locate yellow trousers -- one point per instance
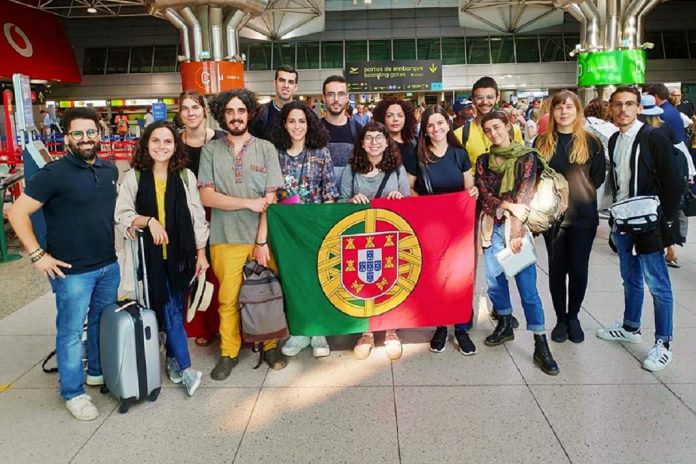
(228, 260)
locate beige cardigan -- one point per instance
(125, 206)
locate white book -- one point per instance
(514, 263)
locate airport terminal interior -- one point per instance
(135, 57)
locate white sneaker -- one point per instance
(191, 380)
(81, 408)
(320, 347)
(658, 357)
(294, 345)
(95, 380)
(616, 333)
(174, 371)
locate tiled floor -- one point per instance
(446, 408)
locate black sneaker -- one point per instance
(466, 346)
(559, 334)
(439, 340)
(575, 332)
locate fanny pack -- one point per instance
(636, 215)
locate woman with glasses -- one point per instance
(374, 171)
(161, 195)
(441, 165)
(572, 151)
(506, 178)
(302, 142)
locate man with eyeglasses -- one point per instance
(642, 164)
(78, 197)
(285, 82)
(343, 131)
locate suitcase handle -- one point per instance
(138, 249)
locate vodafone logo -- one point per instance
(26, 49)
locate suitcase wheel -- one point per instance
(124, 407)
(153, 395)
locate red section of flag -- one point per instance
(444, 293)
(33, 43)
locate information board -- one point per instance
(611, 67)
(394, 76)
(25, 111)
(159, 111)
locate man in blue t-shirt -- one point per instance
(670, 114)
(342, 129)
(78, 197)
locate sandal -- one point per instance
(364, 345)
(392, 343)
(203, 341)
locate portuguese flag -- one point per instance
(391, 264)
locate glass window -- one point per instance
(165, 59)
(94, 61)
(552, 48)
(404, 49)
(356, 51)
(141, 60)
(657, 52)
(476, 50)
(676, 45)
(380, 50)
(692, 43)
(527, 48)
(502, 50)
(308, 55)
(259, 57)
(453, 51)
(283, 53)
(331, 55)
(569, 43)
(117, 60)
(428, 49)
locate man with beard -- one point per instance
(286, 79)
(343, 131)
(238, 177)
(78, 197)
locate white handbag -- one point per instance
(636, 215)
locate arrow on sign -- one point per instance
(433, 68)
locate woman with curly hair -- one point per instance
(160, 194)
(400, 120)
(441, 165)
(374, 171)
(302, 142)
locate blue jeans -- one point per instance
(177, 340)
(652, 268)
(79, 296)
(499, 291)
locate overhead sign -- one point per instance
(611, 68)
(159, 111)
(212, 77)
(32, 42)
(394, 76)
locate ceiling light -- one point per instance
(91, 9)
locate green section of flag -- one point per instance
(611, 67)
(296, 233)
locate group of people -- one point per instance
(201, 196)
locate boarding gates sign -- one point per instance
(394, 76)
(613, 67)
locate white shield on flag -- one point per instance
(370, 265)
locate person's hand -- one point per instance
(159, 235)
(360, 199)
(257, 205)
(50, 266)
(516, 245)
(473, 191)
(202, 264)
(395, 195)
(130, 232)
(262, 254)
(518, 210)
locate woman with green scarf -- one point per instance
(506, 178)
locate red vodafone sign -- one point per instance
(212, 77)
(33, 43)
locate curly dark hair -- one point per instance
(219, 103)
(423, 150)
(380, 114)
(317, 134)
(391, 159)
(141, 155)
(597, 108)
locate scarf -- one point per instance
(174, 273)
(510, 155)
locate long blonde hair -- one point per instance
(580, 153)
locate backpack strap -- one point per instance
(383, 184)
(426, 177)
(47, 370)
(354, 128)
(466, 130)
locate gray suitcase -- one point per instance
(129, 344)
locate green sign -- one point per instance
(612, 67)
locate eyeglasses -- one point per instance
(480, 98)
(628, 104)
(336, 96)
(79, 135)
(376, 138)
